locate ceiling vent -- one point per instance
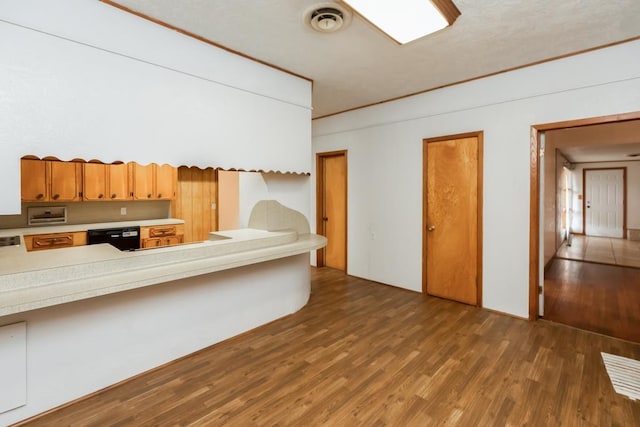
(327, 18)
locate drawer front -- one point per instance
(54, 241)
(162, 231)
(50, 242)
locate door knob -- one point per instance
(324, 218)
(431, 227)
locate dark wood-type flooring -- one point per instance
(365, 354)
(595, 297)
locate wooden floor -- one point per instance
(365, 354)
(595, 297)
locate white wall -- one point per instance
(384, 144)
(77, 348)
(288, 189)
(82, 79)
(633, 192)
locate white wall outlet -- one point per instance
(123, 211)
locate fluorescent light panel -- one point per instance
(402, 20)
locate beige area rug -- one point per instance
(624, 374)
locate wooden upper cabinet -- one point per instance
(94, 183)
(65, 181)
(33, 180)
(118, 182)
(142, 181)
(44, 180)
(48, 180)
(153, 182)
(166, 182)
(105, 182)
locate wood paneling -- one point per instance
(196, 202)
(365, 354)
(452, 235)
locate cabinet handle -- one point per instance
(39, 196)
(148, 196)
(113, 196)
(159, 195)
(56, 197)
(100, 196)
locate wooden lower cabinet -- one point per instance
(161, 235)
(36, 242)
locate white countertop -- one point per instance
(44, 278)
(67, 228)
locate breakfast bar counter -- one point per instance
(76, 320)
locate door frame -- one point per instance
(534, 192)
(480, 137)
(320, 202)
(624, 197)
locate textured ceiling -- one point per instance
(359, 65)
(602, 153)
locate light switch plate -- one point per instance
(123, 211)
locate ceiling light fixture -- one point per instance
(327, 17)
(407, 20)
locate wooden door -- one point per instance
(33, 180)
(94, 181)
(332, 209)
(452, 235)
(65, 181)
(165, 182)
(604, 204)
(118, 182)
(196, 202)
(142, 181)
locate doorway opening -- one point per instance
(567, 272)
(331, 208)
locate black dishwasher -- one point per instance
(123, 238)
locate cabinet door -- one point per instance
(94, 181)
(166, 177)
(118, 182)
(173, 240)
(65, 180)
(151, 243)
(33, 180)
(142, 184)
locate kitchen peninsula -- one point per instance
(96, 316)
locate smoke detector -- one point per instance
(327, 17)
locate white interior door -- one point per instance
(604, 202)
